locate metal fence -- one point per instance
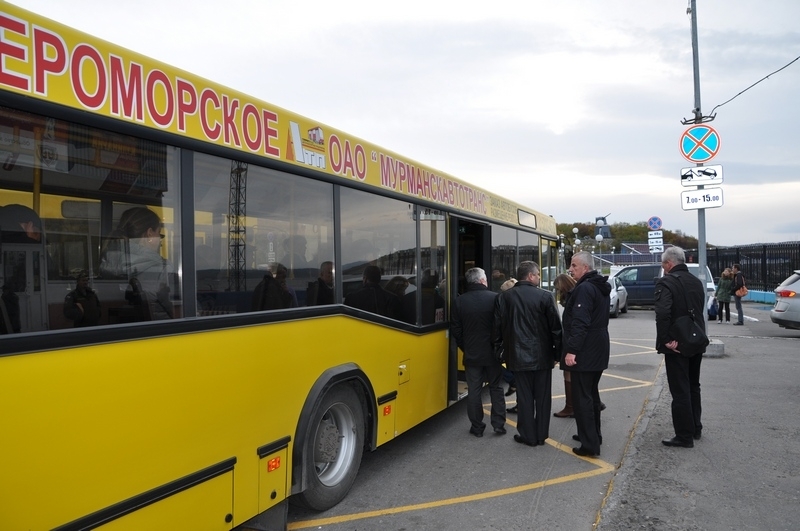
(764, 266)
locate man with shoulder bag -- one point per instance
(680, 336)
(739, 291)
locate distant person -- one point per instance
(371, 297)
(472, 327)
(723, 295)
(563, 285)
(528, 329)
(680, 293)
(321, 290)
(738, 283)
(133, 252)
(81, 305)
(587, 349)
(19, 224)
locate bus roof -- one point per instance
(47, 60)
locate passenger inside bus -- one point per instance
(321, 290)
(19, 224)
(133, 253)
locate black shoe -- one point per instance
(500, 431)
(476, 433)
(697, 435)
(512, 410)
(677, 442)
(738, 324)
(583, 452)
(602, 406)
(520, 440)
(511, 390)
(576, 438)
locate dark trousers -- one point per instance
(476, 376)
(726, 306)
(683, 376)
(586, 405)
(534, 402)
(739, 312)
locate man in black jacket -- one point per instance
(587, 349)
(528, 329)
(680, 293)
(471, 325)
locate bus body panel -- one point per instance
(201, 400)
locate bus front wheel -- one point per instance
(333, 449)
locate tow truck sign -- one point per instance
(701, 175)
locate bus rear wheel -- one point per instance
(333, 449)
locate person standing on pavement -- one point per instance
(738, 283)
(680, 293)
(587, 349)
(563, 284)
(508, 376)
(723, 295)
(472, 328)
(528, 328)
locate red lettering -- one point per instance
(270, 132)
(154, 79)
(127, 93)
(187, 101)
(229, 108)
(83, 54)
(348, 159)
(15, 51)
(335, 152)
(388, 171)
(361, 162)
(212, 132)
(402, 169)
(49, 57)
(250, 113)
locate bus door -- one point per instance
(23, 270)
(472, 246)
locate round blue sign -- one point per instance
(654, 223)
(699, 143)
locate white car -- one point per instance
(618, 297)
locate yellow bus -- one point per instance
(182, 344)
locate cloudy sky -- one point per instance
(572, 107)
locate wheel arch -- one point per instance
(348, 374)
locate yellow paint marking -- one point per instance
(603, 468)
(649, 341)
(625, 378)
(633, 354)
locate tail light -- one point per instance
(786, 293)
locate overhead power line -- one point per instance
(711, 115)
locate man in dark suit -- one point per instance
(528, 328)
(471, 326)
(680, 293)
(587, 349)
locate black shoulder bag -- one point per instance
(691, 337)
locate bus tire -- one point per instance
(333, 449)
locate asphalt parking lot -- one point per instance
(437, 476)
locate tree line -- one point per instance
(626, 233)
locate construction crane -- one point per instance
(237, 210)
